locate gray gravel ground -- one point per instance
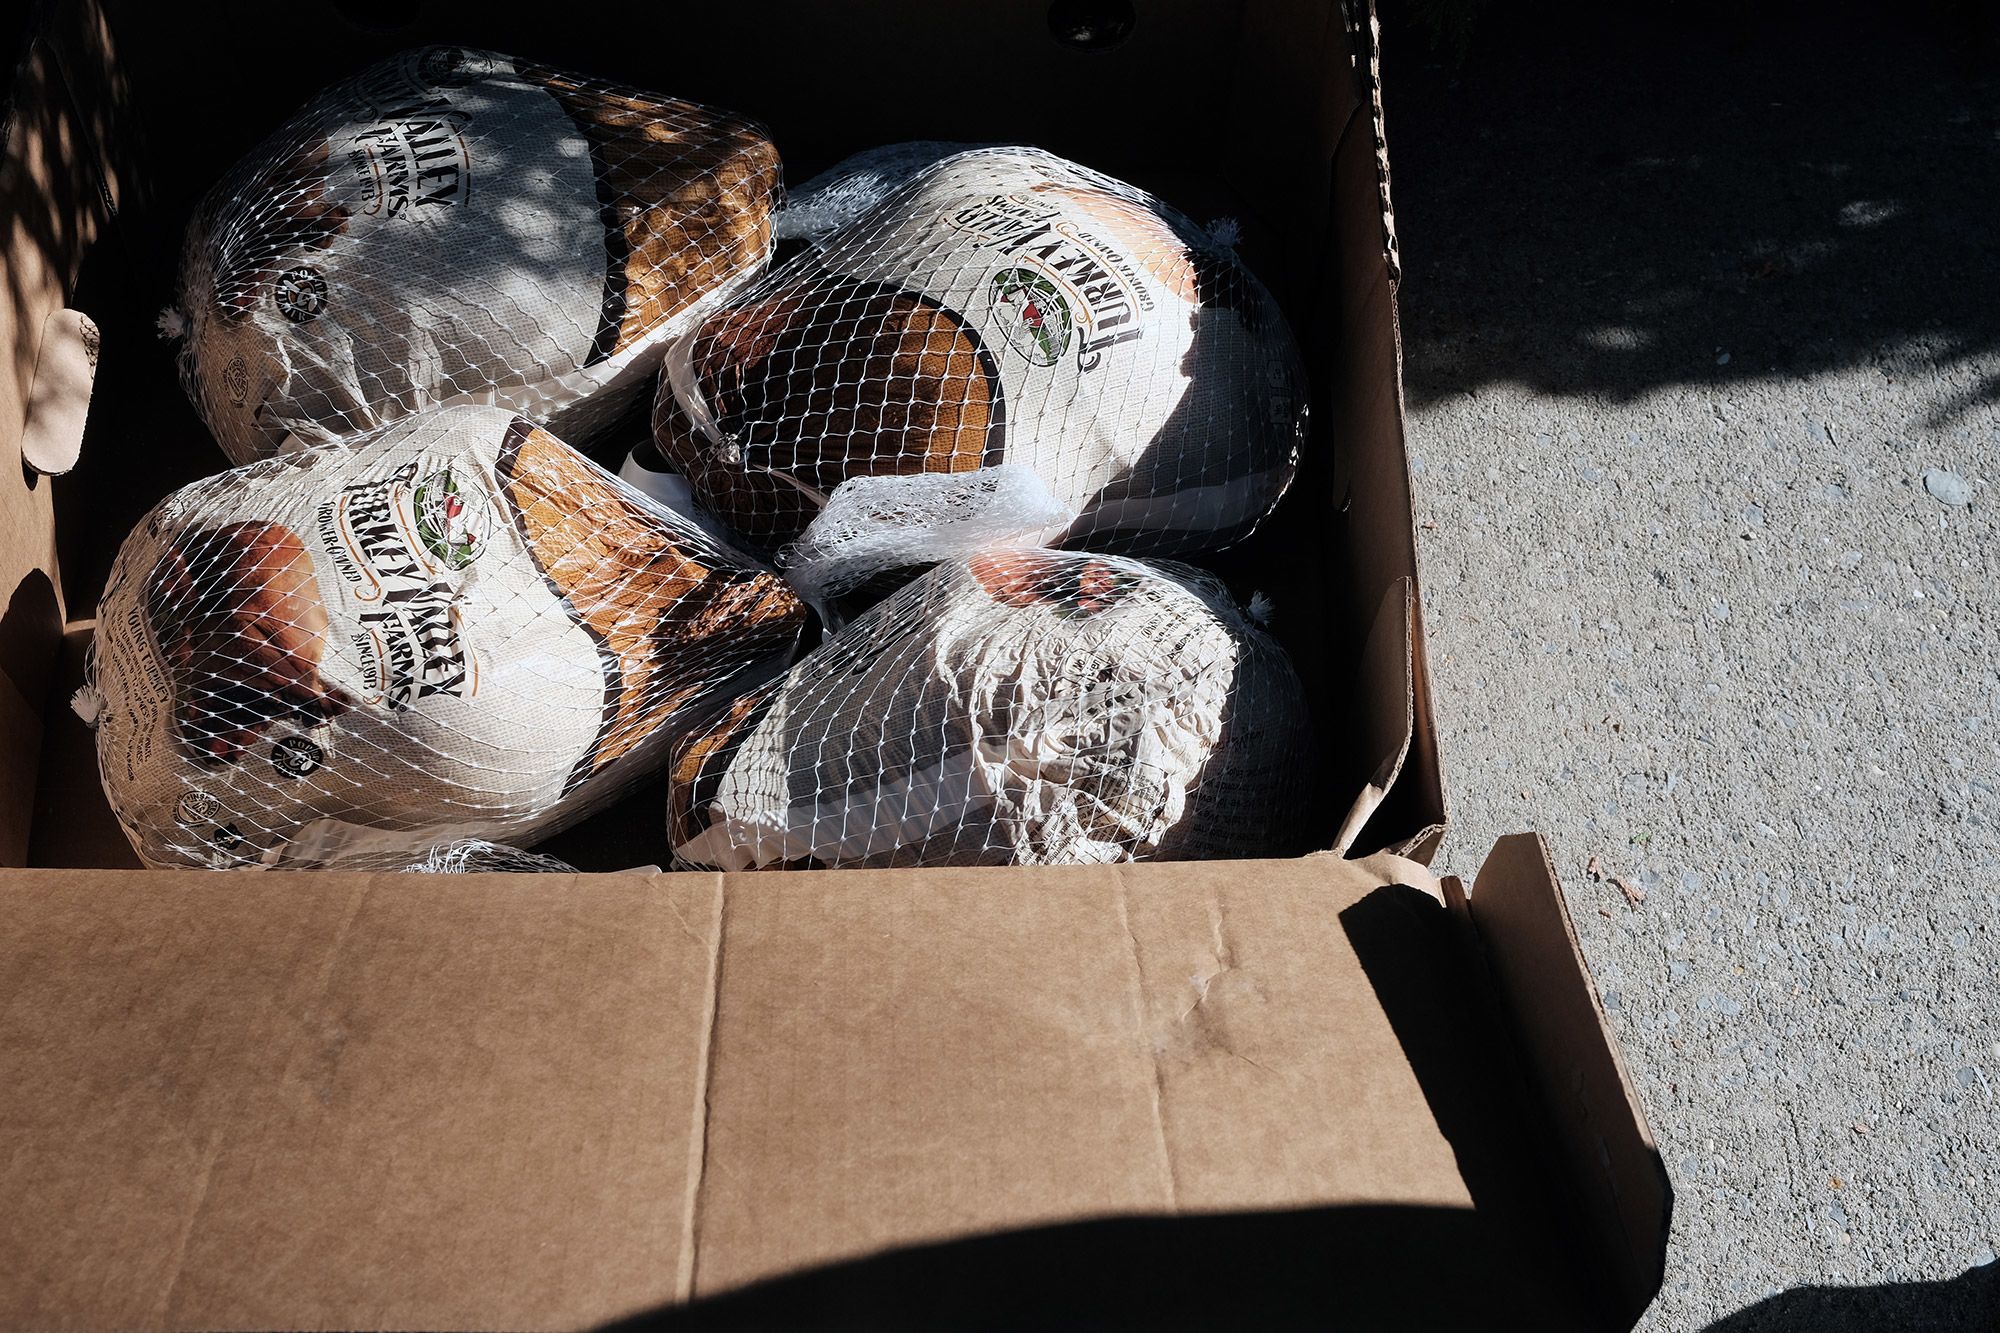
(1703, 345)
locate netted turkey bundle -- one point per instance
(1003, 306)
(455, 226)
(1020, 707)
(461, 628)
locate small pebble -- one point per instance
(1948, 487)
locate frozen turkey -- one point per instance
(1021, 707)
(455, 226)
(1002, 306)
(461, 628)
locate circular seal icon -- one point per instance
(300, 293)
(195, 808)
(236, 380)
(452, 521)
(295, 756)
(1033, 317)
(452, 66)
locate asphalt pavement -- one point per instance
(1702, 330)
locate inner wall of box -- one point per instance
(1222, 109)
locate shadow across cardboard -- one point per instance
(1356, 1267)
(1505, 1261)
(1968, 1303)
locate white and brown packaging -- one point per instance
(1020, 707)
(461, 628)
(1003, 306)
(455, 226)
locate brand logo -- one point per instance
(453, 528)
(1110, 299)
(295, 756)
(413, 155)
(300, 293)
(228, 837)
(236, 379)
(1032, 315)
(195, 808)
(411, 608)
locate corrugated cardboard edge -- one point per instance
(1421, 803)
(697, 1168)
(1388, 654)
(1574, 1063)
(1364, 33)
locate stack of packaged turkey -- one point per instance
(431, 622)
(1006, 353)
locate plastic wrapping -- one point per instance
(843, 192)
(458, 628)
(466, 856)
(1018, 707)
(1003, 306)
(875, 525)
(455, 226)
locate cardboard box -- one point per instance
(1329, 1088)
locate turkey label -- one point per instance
(410, 638)
(1063, 268)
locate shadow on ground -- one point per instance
(1968, 1303)
(1793, 188)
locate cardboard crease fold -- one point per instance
(1148, 1046)
(700, 1109)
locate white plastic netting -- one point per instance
(465, 856)
(874, 525)
(843, 192)
(1001, 306)
(1017, 707)
(459, 627)
(455, 226)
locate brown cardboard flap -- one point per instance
(285, 1100)
(73, 824)
(21, 739)
(1365, 422)
(1575, 1065)
(1387, 706)
(278, 1101)
(58, 185)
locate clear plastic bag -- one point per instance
(458, 628)
(1001, 306)
(456, 226)
(1018, 707)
